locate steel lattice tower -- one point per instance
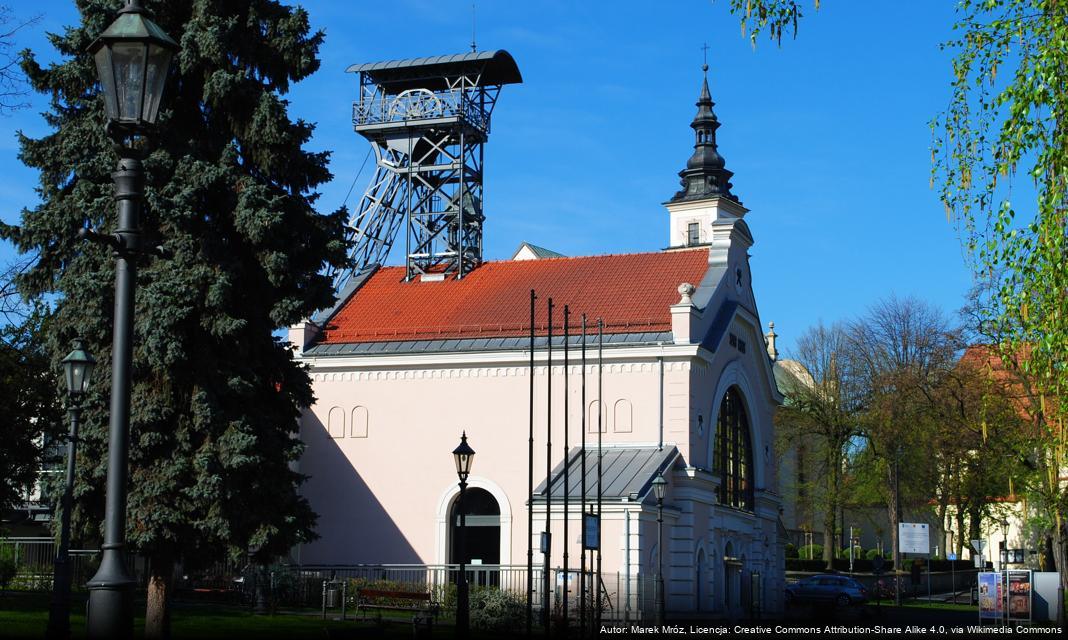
(427, 120)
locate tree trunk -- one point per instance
(1060, 551)
(828, 537)
(829, 546)
(158, 610)
(942, 509)
(893, 515)
(960, 528)
(975, 532)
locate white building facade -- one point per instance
(684, 387)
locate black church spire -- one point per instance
(705, 175)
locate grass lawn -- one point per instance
(25, 615)
(947, 606)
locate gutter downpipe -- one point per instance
(660, 400)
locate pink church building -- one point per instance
(402, 365)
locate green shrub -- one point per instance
(791, 550)
(496, 610)
(8, 568)
(810, 552)
(844, 553)
(812, 566)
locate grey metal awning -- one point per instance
(494, 68)
(626, 472)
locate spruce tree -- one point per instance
(230, 194)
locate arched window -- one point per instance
(734, 453)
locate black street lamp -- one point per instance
(464, 456)
(77, 370)
(132, 56)
(1004, 544)
(659, 489)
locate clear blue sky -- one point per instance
(827, 135)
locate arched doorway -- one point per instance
(483, 528)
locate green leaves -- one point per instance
(773, 17)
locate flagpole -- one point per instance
(600, 456)
(547, 543)
(530, 482)
(567, 458)
(582, 492)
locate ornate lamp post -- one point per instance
(464, 456)
(659, 489)
(77, 370)
(132, 56)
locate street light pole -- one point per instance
(464, 456)
(659, 489)
(77, 368)
(133, 58)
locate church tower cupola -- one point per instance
(705, 212)
(705, 175)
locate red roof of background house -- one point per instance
(632, 292)
(986, 358)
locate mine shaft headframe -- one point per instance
(426, 120)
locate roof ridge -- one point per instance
(657, 252)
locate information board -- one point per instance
(989, 595)
(591, 531)
(1019, 586)
(913, 537)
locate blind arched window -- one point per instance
(734, 453)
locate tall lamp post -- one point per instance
(132, 56)
(464, 457)
(659, 489)
(77, 370)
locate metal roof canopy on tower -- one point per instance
(394, 76)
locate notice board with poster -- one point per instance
(990, 597)
(1019, 593)
(913, 537)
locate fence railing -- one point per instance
(33, 559)
(622, 597)
(420, 104)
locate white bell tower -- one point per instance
(705, 198)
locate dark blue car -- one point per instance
(841, 591)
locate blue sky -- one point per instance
(827, 135)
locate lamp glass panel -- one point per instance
(105, 75)
(159, 61)
(128, 60)
(68, 375)
(659, 487)
(77, 377)
(463, 464)
(87, 374)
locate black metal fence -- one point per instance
(286, 586)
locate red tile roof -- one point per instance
(632, 292)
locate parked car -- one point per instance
(841, 591)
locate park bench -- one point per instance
(419, 602)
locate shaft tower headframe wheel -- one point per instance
(427, 120)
